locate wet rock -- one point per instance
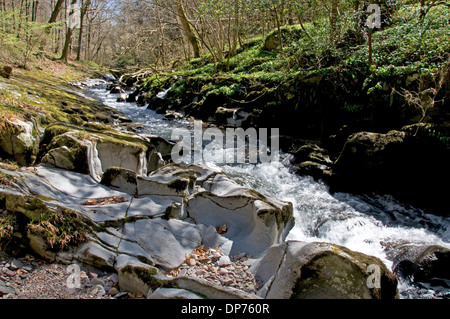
(255, 222)
(422, 264)
(172, 293)
(321, 271)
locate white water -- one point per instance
(374, 225)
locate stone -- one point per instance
(313, 153)
(224, 261)
(170, 180)
(299, 270)
(97, 281)
(423, 263)
(166, 241)
(69, 151)
(20, 141)
(211, 291)
(120, 179)
(314, 169)
(113, 292)
(6, 72)
(172, 293)
(134, 276)
(255, 222)
(370, 159)
(4, 290)
(95, 255)
(16, 264)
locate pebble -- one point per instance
(16, 264)
(114, 278)
(192, 262)
(223, 271)
(113, 292)
(97, 281)
(10, 273)
(219, 269)
(224, 261)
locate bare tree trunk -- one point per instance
(69, 34)
(235, 27)
(161, 31)
(84, 9)
(187, 29)
(334, 16)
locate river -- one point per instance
(375, 225)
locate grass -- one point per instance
(61, 229)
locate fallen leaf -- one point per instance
(105, 201)
(222, 229)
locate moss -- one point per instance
(179, 185)
(147, 276)
(61, 229)
(112, 172)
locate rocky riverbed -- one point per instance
(109, 200)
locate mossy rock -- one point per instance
(288, 33)
(68, 152)
(19, 140)
(121, 179)
(138, 277)
(300, 270)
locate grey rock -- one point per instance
(172, 293)
(255, 222)
(320, 271)
(4, 290)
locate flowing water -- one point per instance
(375, 225)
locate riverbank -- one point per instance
(333, 109)
(80, 191)
(56, 208)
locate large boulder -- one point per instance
(69, 151)
(424, 265)
(93, 151)
(170, 180)
(19, 140)
(367, 154)
(254, 221)
(299, 270)
(411, 164)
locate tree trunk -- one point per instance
(69, 34)
(334, 16)
(235, 27)
(84, 9)
(188, 29)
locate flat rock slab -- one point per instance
(166, 242)
(74, 185)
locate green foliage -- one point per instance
(24, 39)
(409, 46)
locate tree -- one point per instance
(69, 34)
(187, 28)
(84, 8)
